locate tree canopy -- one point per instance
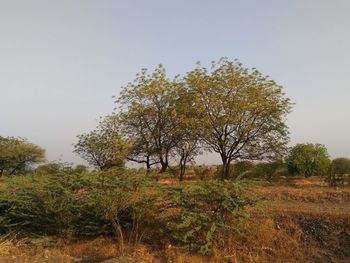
(309, 159)
(229, 109)
(18, 155)
(242, 112)
(146, 108)
(103, 147)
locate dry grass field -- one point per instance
(299, 220)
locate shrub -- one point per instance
(78, 204)
(271, 170)
(133, 207)
(48, 168)
(208, 210)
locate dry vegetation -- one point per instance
(300, 220)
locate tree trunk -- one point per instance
(148, 165)
(164, 165)
(182, 172)
(225, 168)
(182, 167)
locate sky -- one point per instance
(62, 61)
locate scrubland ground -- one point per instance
(298, 220)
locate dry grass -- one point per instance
(84, 251)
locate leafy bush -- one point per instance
(207, 211)
(271, 170)
(121, 202)
(71, 204)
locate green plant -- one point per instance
(81, 204)
(308, 160)
(207, 211)
(17, 155)
(271, 170)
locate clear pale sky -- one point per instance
(62, 61)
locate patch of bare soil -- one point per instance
(323, 214)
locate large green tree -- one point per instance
(17, 155)
(146, 108)
(103, 147)
(242, 112)
(309, 159)
(142, 149)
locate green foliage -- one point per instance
(229, 109)
(120, 202)
(147, 111)
(207, 211)
(48, 168)
(18, 155)
(308, 160)
(71, 204)
(186, 127)
(242, 112)
(80, 169)
(103, 147)
(262, 170)
(270, 170)
(339, 172)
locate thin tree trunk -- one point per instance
(148, 165)
(225, 167)
(182, 167)
(182, 172)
